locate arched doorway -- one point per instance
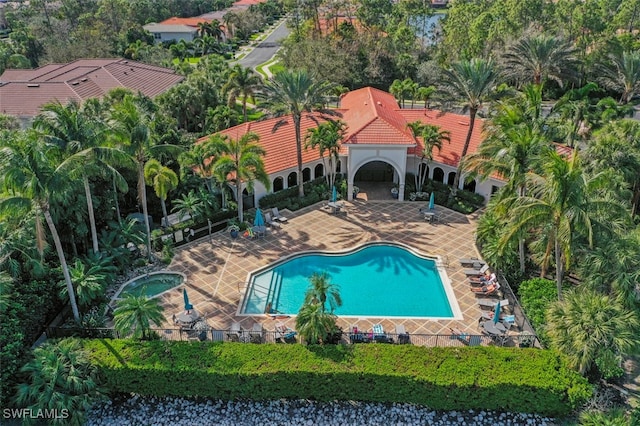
(318, 171)
(376, 179)
(470, 186)
(306, 174)
(248, 200)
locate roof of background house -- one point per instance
(170, 28)
(192, 22)
(372, 117)
(23, 92)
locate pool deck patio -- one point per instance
(217, 269)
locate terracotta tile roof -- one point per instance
(23, 92)
(372, 117)
(248, 2)
(279, 145)
(191, 22)
(456, 124)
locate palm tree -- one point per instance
(321, 291)
(314, 324)
(295, 93)
(588, 326)
(617, 146)
(432, 137)
(200, 160)
(79, 137)
(564, 202)
(32, 179)
(90, 281)
(131, 120)
(622, 75)
(61, 378)
(472, 83)
(537, 58)
(327, 137)
(511, 149)
(241, 161)
(134, 315)
(243, 83)
(163, 180)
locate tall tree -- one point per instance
(327, 138)
(243, 83)
(81, 141)
(432, 138)
(163, 180)
(564, 202)
(131, 120)
(538, 57)
(33, 183)
(470, 82)
(622, 75)
(241, 161)
(295, 93)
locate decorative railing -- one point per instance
(512, 339)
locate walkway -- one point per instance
(216, 271)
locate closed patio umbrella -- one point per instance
(496, 314)
(432, 201)
(259, 219)
(187, 306)
(334, 194)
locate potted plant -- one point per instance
(394, 192)
(356, 190)
(234, 229)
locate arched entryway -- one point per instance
(375, 180)
(318, 171)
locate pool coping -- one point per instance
(163, 271)
(440, 267)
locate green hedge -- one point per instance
(535, 296)
(508, 379)
(315, 191)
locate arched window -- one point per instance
(438, 174)
(306, 174)
(318, 171)
(451, 178)
(470, 186)
(278, 184)
(339, 166)
(292, 179)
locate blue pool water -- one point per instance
(379, 280)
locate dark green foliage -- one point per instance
(507, 379)
(464, 201)
(536, 295)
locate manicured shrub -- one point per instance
(508, 379)
(536, 295)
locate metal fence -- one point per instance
(511, 339)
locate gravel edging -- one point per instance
(138, 410)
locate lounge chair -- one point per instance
(234, 332)
(402, 335)
(459, 335)
(476, 281)
(379, 335)
(270, 222)
(472, 261)
(256, 335)
(488, 289)
(476, 272)
(284, 334)
(277, 216)
(357, 336)
(491, 303)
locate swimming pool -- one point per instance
(375, 280)
(152, 284)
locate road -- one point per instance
(267, 48)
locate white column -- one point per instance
(401, 190)
(350, 189)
